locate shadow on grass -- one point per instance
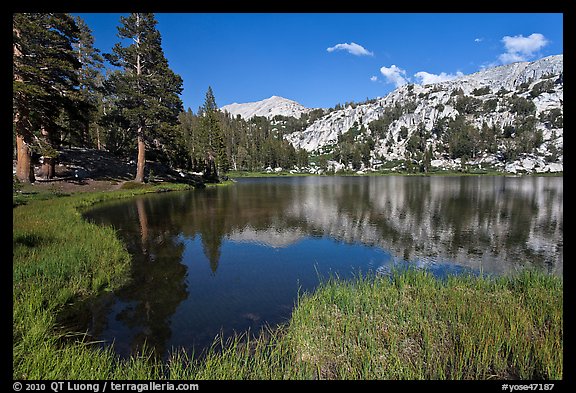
(30, 240)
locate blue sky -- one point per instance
(320, 60)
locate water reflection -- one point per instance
(227, 259)
(140, 311)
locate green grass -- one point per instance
(58, 260)
(414, 326)
(406, 326)
(410, 326)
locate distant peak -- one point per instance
(269, 107)
(278, 98)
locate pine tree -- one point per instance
(211, 139)
(91, 80)
(145, 90)
(44, 84)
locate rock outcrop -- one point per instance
(496, 96)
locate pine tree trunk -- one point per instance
(49, 167)
(24, 168)
(141, 157)
(98, 145)
(49, 163)
(140, 134)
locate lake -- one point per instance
(235, 258)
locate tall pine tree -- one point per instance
(44, 84)
(146, 91)
(211, 140)
(90, 80)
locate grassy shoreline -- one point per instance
(406, 326)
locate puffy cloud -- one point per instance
(394, 75)
(374, 78)
(520, 48)
(352, 48)
(506, 58)
(397, 76)
(428, 78)
(479, 39)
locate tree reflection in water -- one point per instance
(227, 258)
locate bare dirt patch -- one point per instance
(88, 170)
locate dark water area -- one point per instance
(231, 259)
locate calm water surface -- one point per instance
(225, 259)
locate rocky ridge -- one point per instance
(539, 82)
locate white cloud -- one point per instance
(428, 78)
(352, 48)
(394, 75)
(373, 78)
(506, 58)
(520, 48)
(397, 76)
(478, 39)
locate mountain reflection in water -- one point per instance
(226, 259)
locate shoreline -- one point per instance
(81, 260)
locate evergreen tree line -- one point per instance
(239, 144)
(64, 96)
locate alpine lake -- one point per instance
(234, 259)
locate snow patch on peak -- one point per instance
(268, 108)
